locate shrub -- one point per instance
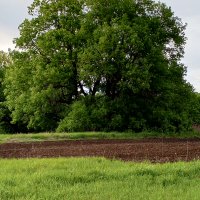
(76, 120)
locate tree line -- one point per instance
(97, 65)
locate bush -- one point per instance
(76, 120)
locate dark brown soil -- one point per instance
(154, 150)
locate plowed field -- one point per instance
(154, 150)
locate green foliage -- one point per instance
(97, 178)
(85, 115)
(99, 65)
(195, 111)
(5, 119)
(77, 119)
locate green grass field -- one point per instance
(92, 135)
(64, 136)
(97, 178)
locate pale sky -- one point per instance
(13, 12)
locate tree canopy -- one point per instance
(5, 119)
(99, 65)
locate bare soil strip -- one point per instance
(154, 150)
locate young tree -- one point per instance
(119, 59)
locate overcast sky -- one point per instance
(13, 12)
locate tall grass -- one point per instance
(97, 178)
(64, 136)
(93, 135)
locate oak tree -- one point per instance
(99, 65)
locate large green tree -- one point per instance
(98, 64)
(43, 78)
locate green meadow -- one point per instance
(97, 178)
(31, 137)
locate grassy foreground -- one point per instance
(92, 135)
(97, 178)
